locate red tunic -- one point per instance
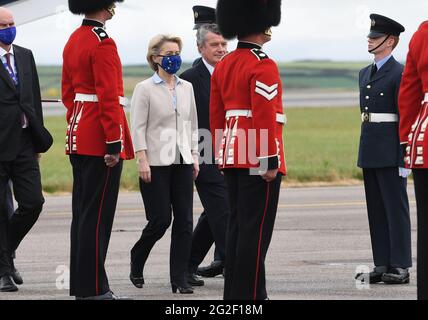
(92, 66)
(247, 80)
(413, 108)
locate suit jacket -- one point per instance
(13, 101)
(379, 142)
(200, 78)
(160, 130)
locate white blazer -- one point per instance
(158, 128)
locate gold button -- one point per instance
(369, 87)
(367, 97)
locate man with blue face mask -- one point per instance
(22, 139)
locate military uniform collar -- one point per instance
(248, 45)
(92, 23)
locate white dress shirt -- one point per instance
(209, 67)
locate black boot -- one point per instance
(396, 276)
(136, 277)
(7, 285)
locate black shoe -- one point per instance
(107, 296)
(211, 271)
(396, 276)
(183, 289)
(16, 276)
(136, 278)
(374, 277)
(193, 280)
(7, 285)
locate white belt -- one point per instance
(426, 98)
(280, 118)
(379, 117)
(93, 98)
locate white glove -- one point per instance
(404, 173)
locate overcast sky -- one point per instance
(310, 29)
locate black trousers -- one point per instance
(95, 192)
(10, 209)
(24, 172)
(421, 189)
(9, 202)
(169, 193)
(212, 224)
(253, 204)
(389, 217)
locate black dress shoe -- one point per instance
(16, 276)
(7, 285)
(193, 280)
(184, 288)
(374, 277)
(211, 271)
(136, 278)
(396, 276)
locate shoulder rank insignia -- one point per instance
(259, 54)
(100, 33)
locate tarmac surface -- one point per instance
(321, 236)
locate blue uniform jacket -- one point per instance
(379, 142)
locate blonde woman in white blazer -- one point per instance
(164, 129)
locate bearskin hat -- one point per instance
(89, 6)
(239, 18)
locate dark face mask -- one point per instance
(171, 64)
(8, 35)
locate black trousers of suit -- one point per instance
(212, 224)
(169, 193)
(24, 172)
(9, 202)
(253, 204)
(95, 193)
(421, 189)
(389, 217)
(9, 207)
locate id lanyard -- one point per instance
(11, 73)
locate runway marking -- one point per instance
(280, 206)
(322, 204)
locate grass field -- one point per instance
(321, 146)
(324, 75)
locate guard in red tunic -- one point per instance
(97, 141)
(413, 106)
(247, 123)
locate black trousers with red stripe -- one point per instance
(253, 204)
(95, 192)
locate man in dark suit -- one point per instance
(212, 224)
(382, 159)
(22, 139)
